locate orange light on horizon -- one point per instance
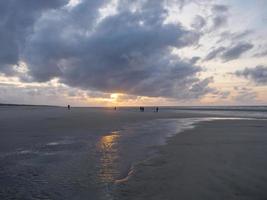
(114, 96)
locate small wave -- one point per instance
(126, 178)
(25, 152)
(63, 142)
(52, 143)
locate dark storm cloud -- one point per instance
(127, 52)
(214, 53)
(236, 51)
(219, 15)
(17, 18)
(229, 53)
(194, 59)
(257, 74)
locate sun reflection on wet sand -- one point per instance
(108, 161)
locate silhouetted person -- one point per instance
(142, 109)
(68, 107)
(157, 109)
(115, 108)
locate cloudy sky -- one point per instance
(133, 52)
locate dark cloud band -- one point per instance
(257, 74)
(128, 52)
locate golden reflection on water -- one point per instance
(109, 156)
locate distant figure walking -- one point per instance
(142, 109)
(157, 109)
(68, 107)
(115, 108)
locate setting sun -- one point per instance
(114, 96)
(133, 99)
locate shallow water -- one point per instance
(234, 111)
(82, 166)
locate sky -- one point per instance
(133, 52)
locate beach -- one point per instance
(223, 159)
(100, 153)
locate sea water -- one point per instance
(84, 166)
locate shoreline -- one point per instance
(96, 147)
(206, 162)
(189, 124)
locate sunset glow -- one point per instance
(153, 52)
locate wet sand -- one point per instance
(18, 123)
(54, 153)
(222, 159)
